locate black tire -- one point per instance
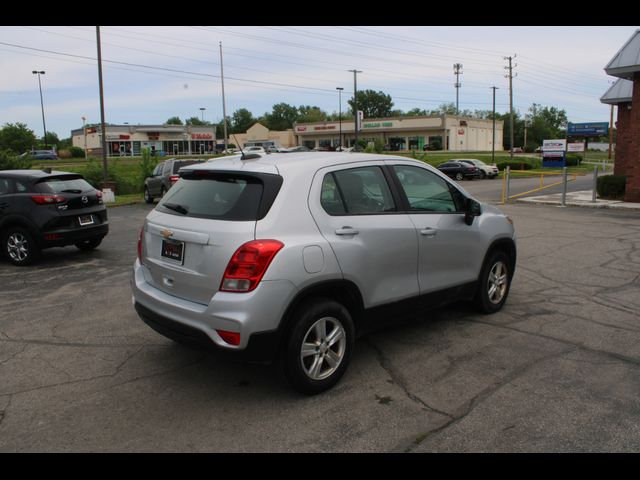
(483, 174)
(90, 244)
(147, 196)
(162, 191)
(298, 369)
(459, 176)
(19, 246)
(496, 263)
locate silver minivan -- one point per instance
(290, 257)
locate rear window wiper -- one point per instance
(176, 208)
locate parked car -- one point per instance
(459, 170)
(254, 149)
(517, 150)
(486, 171)
(41, 155)
(43, 208)
(290, 257)
(163, 177)
(299, 148)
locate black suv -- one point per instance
(43, 208)
(163, 177)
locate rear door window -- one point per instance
(221, 196)
(362, 190)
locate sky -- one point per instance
(154, 73)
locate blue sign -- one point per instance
(554, 159)
(593, 129)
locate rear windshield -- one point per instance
(70, 184)
(183, 163)
(221, 196)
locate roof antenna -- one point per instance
(245, 156)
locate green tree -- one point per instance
(16, 137)
(51, 140)
(174, 121)
(282, 117)
(196, 121)
(416, 112)
(373, 104)
(241, 121)
(309, 114)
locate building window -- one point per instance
(416, 143)
(397, 143)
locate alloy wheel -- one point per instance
(323, 348)
(497, 283)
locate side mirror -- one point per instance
(473, 210)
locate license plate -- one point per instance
(173, 250)
(85, 220)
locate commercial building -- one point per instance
(129, 140)
(443, 132)
(260, 136)
(625, 93)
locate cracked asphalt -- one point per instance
(557, 370)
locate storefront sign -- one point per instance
(124, 137)
(325, 127)
(153, 135)
(301, 129)
(378, 124)
(202, 136)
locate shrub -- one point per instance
(64, 153)
(76, 152)
(11, 161)
(515, 165)
(611, 187)
(573, 159)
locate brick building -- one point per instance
(626, 94)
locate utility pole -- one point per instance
(103, 128)
(510, 77)
(340, 89)
(224, 103)
(355, 104)
(44, 125)
(493, 142)
(524, 147)
(457, 71)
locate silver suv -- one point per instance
(289, 257)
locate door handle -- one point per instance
(429, 232)
(347, 231)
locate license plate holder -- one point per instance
(85, 220)
(173, 250)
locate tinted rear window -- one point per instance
(221, 196)
(178, 165)
(70, 184)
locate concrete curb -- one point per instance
(580, 199)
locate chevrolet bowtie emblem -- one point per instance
(166, 233)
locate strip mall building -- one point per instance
(452, 133)
(129, 140)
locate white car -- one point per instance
(254, 149)
(486, 171)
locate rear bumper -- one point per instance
(70, 236)
(255, 315)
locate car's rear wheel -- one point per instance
(459, 176)
(147, 196)
(19, 246)
(319, 346)
(494, 283)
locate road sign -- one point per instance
(591, 129)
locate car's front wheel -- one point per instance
(494, 283)
(319, 346)
(459, 176)
(19, 246)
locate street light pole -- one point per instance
(355, 105)
(340, 89)
(493, 141)
(202, 109)
(44, 126)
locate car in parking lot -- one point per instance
(43, 208)
(289, 257)
(41, 155)
(486, 171)
(163, 177)
(459, 170)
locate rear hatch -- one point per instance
(75, 200)
(196, 228)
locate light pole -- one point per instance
(493, 141)
(355, 105)
(202, 109)
(44, 126)
(340, 89)
(84, 130)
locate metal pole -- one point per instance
(595, 184)
(224, 103)
(493, 141)
(610, 134)
(355, 104)
(340, 89)
(44, 125)
(564, 186)
(103, 128)
(84, 129)
(508, 176)
(457, 72)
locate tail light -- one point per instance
(174, 178)
(48, 199)
(140, 244)
(248, 265)
(99, 193)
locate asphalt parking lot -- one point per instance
(558, 369)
